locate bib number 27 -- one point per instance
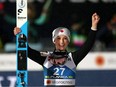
(59, 71)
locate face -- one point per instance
(61, 42)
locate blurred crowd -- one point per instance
(41, 24)
(106, 37)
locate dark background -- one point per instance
(61, 12)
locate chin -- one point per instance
(62, 49)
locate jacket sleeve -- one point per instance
(78, 55)
(35, 56)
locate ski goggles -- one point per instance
(58, 58)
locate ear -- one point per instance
(54, 42)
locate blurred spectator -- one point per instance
(34, 20)
(106, 37)
(1, 25)
(7, 23)
(78, 32)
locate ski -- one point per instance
(21, 43)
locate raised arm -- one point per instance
(95, 21)
(45, 13)
(32, 54)
(82, 52)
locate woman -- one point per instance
(60, 65)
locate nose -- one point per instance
(61, 41)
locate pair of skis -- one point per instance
(21, 43)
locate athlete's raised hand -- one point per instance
(95, 20)
(17, 30)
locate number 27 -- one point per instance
(59, 71)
